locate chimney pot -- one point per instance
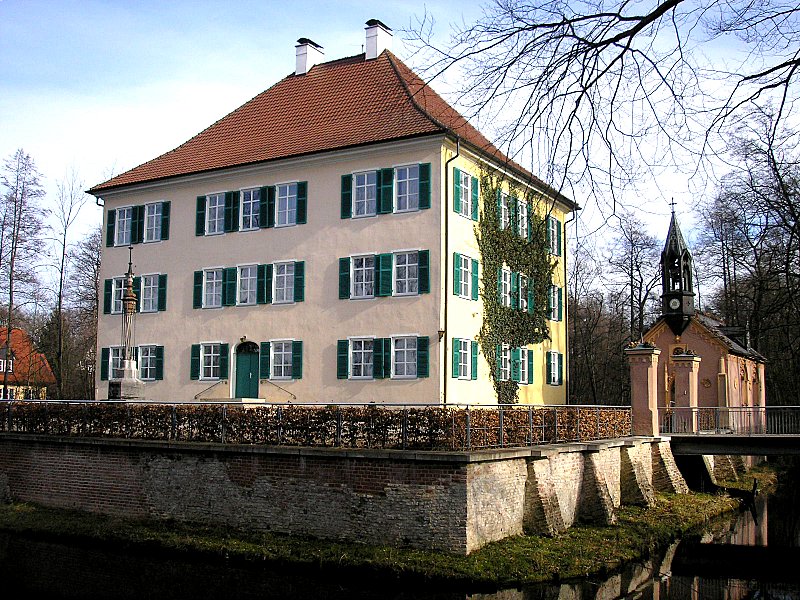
(379, 38)
(307, 54)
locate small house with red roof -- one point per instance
(318, 245)
(24, 372)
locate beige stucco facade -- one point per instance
(321, 319)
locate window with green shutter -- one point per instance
(137, 290)
(108, 295)
(475, 190)
(515, 365)
(159, 363)
(137, 224)
(473, 372)
(425, 185)
(456, 190)
(110, 224)
(347, 196)
(423, 359)
(263, 361)
(299, 281)
(474, 272)
(456, 273)
(382, 358)
(105, 358)
(162, 292)
(385, 191)
(297, 359)
(302, 202)
(223, 361)
(197, 296)
(165, 214)
(200, 216)
(229, 286)
(530, 366)
(383, 275)
(455, 371)
(424, 272)
(194, 366)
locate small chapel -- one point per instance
(722, 369)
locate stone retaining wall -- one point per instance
(457, 501)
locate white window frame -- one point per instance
(250, 204)
(149, 292)
(147, 362)
(280, 359)
(286, 204)
(358, 346)
(283, 283)
(464, 359)
(246, 283)
(210, 360)
(215, 214)
(123, 226)
(505, 210)
(505, 363)
(214, 291)
(524, 376)
(552, 225)
(406, 188)
(362, 188)
(465, 205)
(554, 302)
(522, 291)
(406, 275)
(368, 275)
(505, 288)
(117, 288)
(552, 376)
(115, 354)
(522, 219)
(465, 269)
(152, 222)
(401, 348)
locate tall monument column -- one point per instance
(643, 362)
(129, 386)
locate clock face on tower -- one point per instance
(674, 304)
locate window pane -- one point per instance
(405, 357)
(362, 358)
(215, 213)
(210, 361)
(147, 362)
(466, 195)
(363, 276)
(284, 283)
(149, 300)
(247, 284)
(281, 360)
(364, 197)
(286, 205)
(213, 288)
(123, 226)
(251, 200)
(407, 179)
(152, 229)
(406, 273)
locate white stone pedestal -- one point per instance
(129, 386)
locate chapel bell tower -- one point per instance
(677, 298)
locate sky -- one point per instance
(102, 86)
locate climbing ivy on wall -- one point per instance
(501, 248)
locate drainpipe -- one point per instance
(566, 312)
(443, 363)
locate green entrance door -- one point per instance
(247, 370)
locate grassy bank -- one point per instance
(524, 559)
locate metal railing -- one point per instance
(386, 426)
(745, 420)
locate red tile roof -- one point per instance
(30, 367)
(339, 104)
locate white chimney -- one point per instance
(379, 38)
(306, 56)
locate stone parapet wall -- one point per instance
(451, 501)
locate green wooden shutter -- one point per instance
(514, 290)
(560, 304)
(110, 224)
(137, 224)
(165, 212)
(268, 283)
(105, 357)
(456, 190)
(197, 298)
(159, 363)
(377, 358)
(344, 278)
(263, 206)
(473, 373)
(475, 191)
(229, 286)
(263, 361)
(385, 185)
(474, 274)
(347, 198)
(223, 361)
(194, 365)
(560, 369)
(456, 273)
(200, 216)
(425, 185)
(108, 295)
(530, 366)
(342, 359)
(228, 216)
(299, 281)
(548, 365)
(261, 284)
(162, 292)
(550, 302)
(423, 272)
(558, 237)
(297, 359)
(137, 289)
(383, 274)
(302, 202)
(516, 374)
(456, 347)
(423, 369)
(271, 206)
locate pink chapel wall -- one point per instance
(723, 379)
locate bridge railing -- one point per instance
(745, 420)
(411, 427)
